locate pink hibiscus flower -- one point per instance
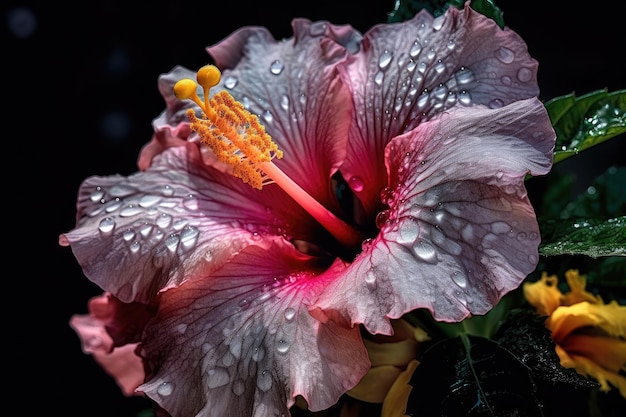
(409, 146)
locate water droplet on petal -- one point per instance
(264, 380)
(106, 225)
(282, 346)
(239, 387)
(505, 55)
(276, 67)
(218, 377)
(258, 354)
(284, 102)
(165, 389)
(317, 28)
(409, 231)
(416, 48)
(356, 184)
(425, 250)
(384, 59)
(370, 279)
(230, 82)
(378, 78)
(524, 75)
(382, 218)
(131, 210)
(290, 313)
(190, 202)
(459, 279)
(496, 103)
(97, 194)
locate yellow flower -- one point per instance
(393, 362)
(590, 335)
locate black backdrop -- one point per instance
(71, 71)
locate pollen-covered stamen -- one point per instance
(237, 138)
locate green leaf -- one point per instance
(406, 9)
(586, 121)
(471, 376)
(605, 198)
(591, 237)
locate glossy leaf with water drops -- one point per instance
(591, 237)
(586, 121)
(405, 9)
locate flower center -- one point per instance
(237, 138)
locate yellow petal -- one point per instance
(375, 384)
(606, 352)
(543, 294)
(577, 293)
(588, 368)
(610, 318)
(395, 402)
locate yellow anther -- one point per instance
(208, 76)
(238, 139)
(233, 133)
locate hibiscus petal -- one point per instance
(292, 86)
(140, 234)
(460, 231)
(410, 71)
(242, 343)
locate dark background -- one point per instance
(79, 95)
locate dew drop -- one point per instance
(506, 80)
(425, 251)
(230, 82)
(167, 191)
(190, 202)
(386, 195)
(440, 66)
(496, 103)
(290, 313)
(505, 55)
(317, 28)
(97, 194)
(131, 210)
(282, 346)
(464, 76)
(128, 235)
(382, 218)
(264, 380)
(409, 231)
(284, 102)
(459, 279)
(378, 78)
(276, 67)
(135, 246)
(172, 242)
(356, 184)
(370, 279)
(500, 227)
(106, 225)
(164, 220)
(384, 59)
(415, 50)
(165, 389)
(258, 354)
(145, 230)
(524, 74)
(267, 116)
(218, 377)
(239, 387)
(465, 98)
